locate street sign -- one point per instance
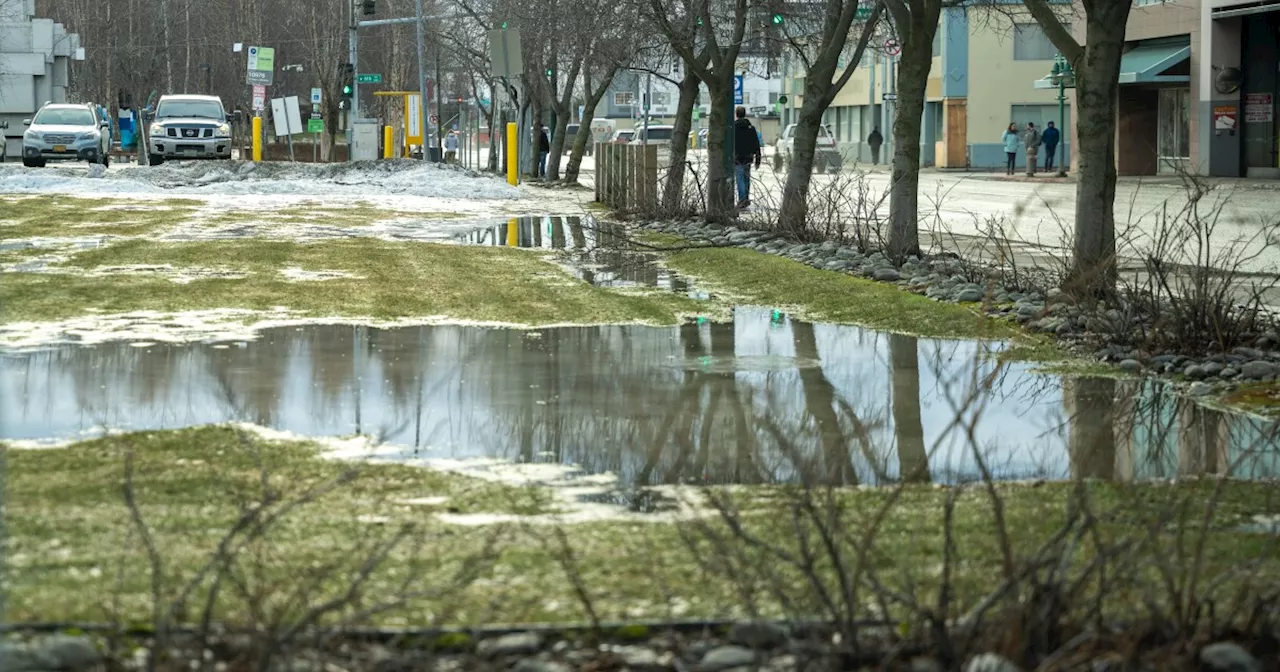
(369, 78)
(259, 97)
(315, 96)
(892, 47)
(315, 126)
(435, 119)
(413, 120)
(262, 65)
(505, 59)
(890, 96)
(737, 89)
(864, 11)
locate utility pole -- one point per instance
(439, 107)
(353, 52)
(422, 77)
(648, 101)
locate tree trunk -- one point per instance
(719, 182)
(794, 211)
(497, 140)
(557, 141)
(1090, 402)
(1097, 84)
(673, 190)
(913, 77)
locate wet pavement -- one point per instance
(763, 399)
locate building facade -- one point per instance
(985, 65)
(35, 66)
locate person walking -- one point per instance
(451, 147)
(1010, 139)
(746, 151)
(544, 148)
(875, 140)
(1050, 138)
(1032, 139)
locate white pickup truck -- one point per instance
(826, 156)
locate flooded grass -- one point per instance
(828, 296)
(391, 280)
(73, 557)
(56, 216)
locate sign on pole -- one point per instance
(892, 47)
(262, 65)
(864, 11)
(315, 96)
(315, 126)
(286, 116)
(259, 97)
(369, 78)
(412, 120)
(504, 53)
(737, 90)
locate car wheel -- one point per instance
(33, 163)
(154, 159)
(820, 165)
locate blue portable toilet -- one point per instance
(128, 130)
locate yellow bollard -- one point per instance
(388, 142)
(257, 139)
(513, 155)
(513, 233)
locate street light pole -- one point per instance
(1064, 76)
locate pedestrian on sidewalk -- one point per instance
(1050, 139)
(451, 147)
(746, 151)
(1010, 139)
(544, 148)
(875, 140)
(1032, 139)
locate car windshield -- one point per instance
(204, 109)
(625, 135)
(659, 133)
(571, 129)
(65, 116)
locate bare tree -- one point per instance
(719, 26)
(821, 52)
(1097, 71)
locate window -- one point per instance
(1144, 3)
(658, 133)
(1031, 44)
(661, 98)
(65, 116)
(1040, 115)
(204, 109)
(624, 98)
(773, 97)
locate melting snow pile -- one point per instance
(405, 177)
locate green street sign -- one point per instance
(369, 79)
(315, 126)
(864, 12)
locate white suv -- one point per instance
(66, 132)
(189, 127)
(826, 156)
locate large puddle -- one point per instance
(763, 399)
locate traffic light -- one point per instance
(347, 74)
(504, 25)
(370, 7)
(551, 72)
(777, 19)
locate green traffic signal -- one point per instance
(504, 25)
(346, 90)
(777, 19)
(551, 73)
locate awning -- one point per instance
(1147, 64)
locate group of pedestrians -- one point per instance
(1032, 138)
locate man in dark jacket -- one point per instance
(875, 140)
(1049, 138)
(746, 151)
(544, 148)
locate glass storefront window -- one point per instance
(1174, 127)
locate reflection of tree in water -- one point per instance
(1092, 443)
(331, 353)
(250, 381)
(908, 428)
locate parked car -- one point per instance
(826, 156)
(571, 135)
(189, 127)
(66, 132)
(653, 135)
(622, 136)
(602, 130)
(4, 142)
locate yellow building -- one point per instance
(985, 65)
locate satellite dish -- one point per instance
(1227, 80)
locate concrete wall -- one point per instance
(35, 57)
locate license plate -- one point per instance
(59, 148)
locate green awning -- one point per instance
(1148, 64)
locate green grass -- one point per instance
(358, 214)
(393, 280)
(827, 296)
(72, 556)
(56, 216)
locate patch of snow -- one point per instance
(295, 274)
